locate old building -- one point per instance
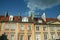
(29, 28)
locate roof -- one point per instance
(16, 19)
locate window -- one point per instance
(51, 28)
(58, 35)
(58, 28)
(12, 36)
(21, 27)
(25, 19)
(7, 26)
(45, 36)
(38, 37)
(53, 36)
(37, 27)
(29, 37)
(39, 21)
(13, 26)
(11, 18)
(44, 28)
(6, 34)
(21, 37)
(29, 27)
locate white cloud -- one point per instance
(41, 4)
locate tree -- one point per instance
(3, 37)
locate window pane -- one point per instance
(29, 37)
(38, 37)
(44, 28)
(58, 35)
(45, 36)
(7, 26)
(58, 28)
(6, 34)
(21, 27)
(29, 27)
(25, 19)
(37, 27)
(13, 26)
(12, 36)
(21, 37)
(53, 36)
(51, 28)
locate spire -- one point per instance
(18, 14)
(32, 15)
(6, 14)
(43, 16)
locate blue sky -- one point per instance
(51, 7)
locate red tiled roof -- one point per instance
(3, 18)
(51, 19)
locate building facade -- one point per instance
(25, 28)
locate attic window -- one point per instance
(11, 18)
(25, 19)
(39, 21)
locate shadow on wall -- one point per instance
(3, 37)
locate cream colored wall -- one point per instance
(25, 32)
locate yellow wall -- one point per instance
(25, 32)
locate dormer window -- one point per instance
(39, 21)
(25, 19)
(11, 18)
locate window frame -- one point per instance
(22, 27)
(37, 28)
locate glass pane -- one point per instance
(29, 37)
(21, 27)
(45, 36)
(12, 36)
(44, 28)
(58, 28)
(6, 33)
(52, 28)
(53, 36)
(58, 35)
(37, 27)
(38, 37)
(7, 26)
(21, 37)
(13, 26)
(29, 27)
